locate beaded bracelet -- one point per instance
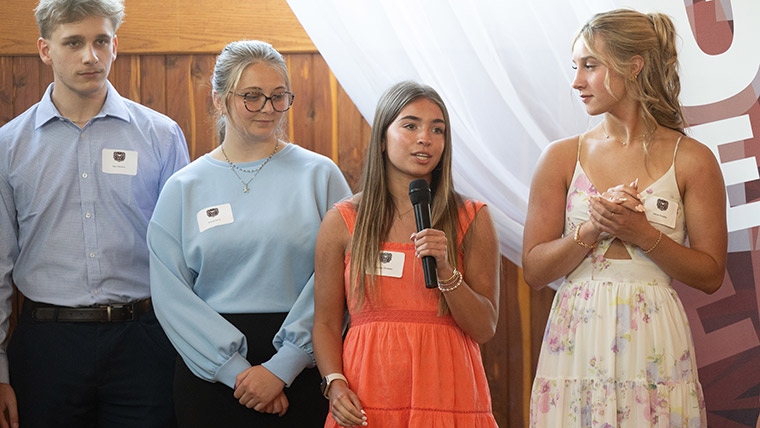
(449, 281)
(453, 287)
(577, 238)
(656, 243)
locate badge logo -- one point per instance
(119, 156)
(212, 212)
(385, 257)
(662, 204)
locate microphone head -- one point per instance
(419, 191)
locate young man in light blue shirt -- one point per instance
(80, 173)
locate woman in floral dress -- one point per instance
(608, 211)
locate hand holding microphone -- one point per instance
(419, 195)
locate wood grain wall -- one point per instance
(164, 72)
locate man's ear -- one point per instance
(43, 47)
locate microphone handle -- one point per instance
(429, 266)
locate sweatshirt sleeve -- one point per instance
(212, 348)
(293, 340)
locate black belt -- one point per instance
(115, 312)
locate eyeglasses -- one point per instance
(254, 101)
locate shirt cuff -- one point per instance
(227, 373)
(288, 362)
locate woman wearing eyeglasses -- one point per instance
(232, 256)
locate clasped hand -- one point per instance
(620, 212)
(259, 389)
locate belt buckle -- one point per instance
(110, 308)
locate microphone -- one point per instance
(419, 194)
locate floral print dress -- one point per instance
(617, 350)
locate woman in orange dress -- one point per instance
(410, 357)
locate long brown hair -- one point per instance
(376, 209)
(625, 34)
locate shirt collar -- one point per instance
(114, 106)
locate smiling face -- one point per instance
(81, 54)
(415, 140)
(256, 79)
(590, 78)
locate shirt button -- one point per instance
(84, 175)
(92, 255)
(88, 215)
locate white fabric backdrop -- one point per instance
(503, 69)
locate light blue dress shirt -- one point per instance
(215, 249)
(75, 203)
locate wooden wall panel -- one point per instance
(153, 81)
(353, 134)
(496, 352)
(178, 98)
(174, 26)
(199, 96)
(6, 89)
(312, 108)
(26, 83)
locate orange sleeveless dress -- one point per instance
(410, 367)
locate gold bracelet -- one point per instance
(450, 280)
(453, 287)
(577, 238)
(656, 243)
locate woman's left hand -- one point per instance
(619, 212)
(432, 242)
(256, 387)
(279, 405)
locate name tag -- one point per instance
(214, 216)
(661, 210)
(119, 162)
(391, 264)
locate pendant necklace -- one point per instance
(254, 171)
(607, 135)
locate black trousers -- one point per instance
(92, 374)
(204, 404)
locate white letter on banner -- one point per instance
(727, 131)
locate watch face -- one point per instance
(323, 386)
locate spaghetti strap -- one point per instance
(578, 155)
(676, 149)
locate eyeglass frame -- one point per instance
(266, 98)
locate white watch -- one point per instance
(327, 381)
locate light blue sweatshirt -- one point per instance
(214, 249)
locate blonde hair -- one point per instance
(376, 209)
(51, 13)
(229, 67)
(624, 34)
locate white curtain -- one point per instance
(501, 66)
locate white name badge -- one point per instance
(661, 210)
(119, 162)
(391, 264)
(214, 216)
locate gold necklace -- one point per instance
(399, 215)
(625, 143)
(254, 171)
